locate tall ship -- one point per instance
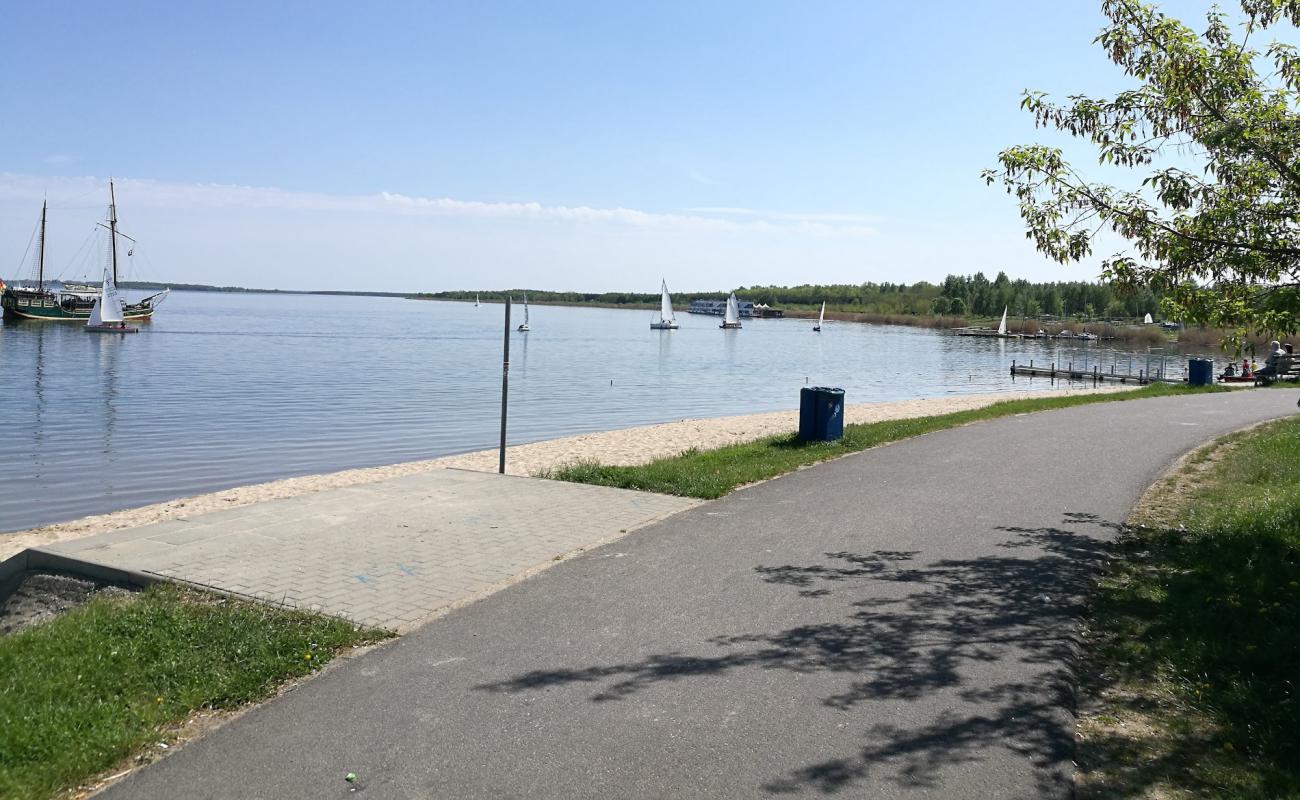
(72, 301)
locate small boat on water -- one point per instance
(666, 322)
(476, 300)
(999, 333)
(1087, 337)
(1147, 320)
(523, 326)
(820, 319)
(108, 315)
(731, 319)
(71, 301)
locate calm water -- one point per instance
(223, 390)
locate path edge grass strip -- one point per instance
(103, 682)
(710, 474)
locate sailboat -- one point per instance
(72, 301)
(732, 318)
(476, 300)
(108, 315)
(820, 319)
(1000, 333)
(523, 326)
(1147, 320)
(667, 322)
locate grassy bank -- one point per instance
(1195, 633)
(82, 692)
(710, 474)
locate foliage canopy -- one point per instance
(1219, 244)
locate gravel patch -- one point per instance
(42, 597)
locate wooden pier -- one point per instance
(1092, 372)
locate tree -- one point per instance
(1218, 243)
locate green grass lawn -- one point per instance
(80, 693)
(1196, 631)
(709, 474)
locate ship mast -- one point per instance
(40, 253)
(112, 227)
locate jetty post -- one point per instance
(505, 388)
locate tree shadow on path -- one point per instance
(994, 635)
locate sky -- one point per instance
(597, 146)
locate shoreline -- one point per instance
(1119, 333)
(623, 446)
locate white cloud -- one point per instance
(145, 193)
(797, 216)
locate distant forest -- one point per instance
(958, 295)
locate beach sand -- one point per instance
(622, 447)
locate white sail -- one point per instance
(733, 310)
(95, 319)
(822, 316)
(665, 305)
(109, 302)
(476, 301)
(1147, 320)
(525, 309)
(1002, 326)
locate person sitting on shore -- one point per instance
(1229, 371)
(1277, 362)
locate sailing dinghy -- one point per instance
(667, 322)
(108, 315)
(820, 319)
(732, 319)
(523, 326)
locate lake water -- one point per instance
(224, 390)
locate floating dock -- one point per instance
(1093, 372)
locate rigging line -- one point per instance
(77, 256)
(66, 202)
(29, 248)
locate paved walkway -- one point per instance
(388, 554)
(898, 623)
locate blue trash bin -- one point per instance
(821, 414)
(1200, 372)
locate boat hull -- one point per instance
(663, 326)
(50, 308)
(731, 326)
(109, 329)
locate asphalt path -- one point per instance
(896, 623)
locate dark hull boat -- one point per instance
(71, 302)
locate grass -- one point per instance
(1195, 633)
(709, 474)
(82, 692)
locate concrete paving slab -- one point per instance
(391, 554)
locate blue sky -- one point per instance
(424, 146)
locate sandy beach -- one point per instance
(623, 447)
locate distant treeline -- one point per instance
(958, 295)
